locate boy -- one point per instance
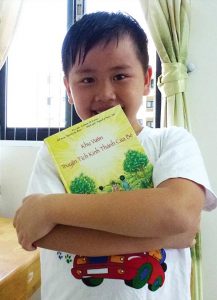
(105, 62)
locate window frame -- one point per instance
(3, 96)
(157, 94)
(37, 134)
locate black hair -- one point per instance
(95, 28)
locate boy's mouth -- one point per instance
(98, 111)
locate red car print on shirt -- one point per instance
(135, 269)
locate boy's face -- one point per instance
(109, 75)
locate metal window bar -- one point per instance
(158, 94)
(3, 91)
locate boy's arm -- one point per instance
(172, 208)
(89, 242)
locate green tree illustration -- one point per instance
(83, 185)
(134, 181)
(146, 181)
(135, 161)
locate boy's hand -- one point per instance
(193, 243)
(32, 220)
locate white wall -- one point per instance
(202, 98)
(16, 160)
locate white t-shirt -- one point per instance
(173, 153)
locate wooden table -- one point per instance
(19, 269)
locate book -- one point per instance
(100, 154)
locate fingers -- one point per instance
(26, 245)
(29, 247)
(193, 243)
(14, 221)
(21, 239)
(15, 218)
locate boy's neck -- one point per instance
(137, 128)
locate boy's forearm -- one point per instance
(142, 213)
(90, 242)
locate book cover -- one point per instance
(99, 155)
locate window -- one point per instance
(150, 123)
(149, 104)
(33, 101)
(35, 79)
(33, 104)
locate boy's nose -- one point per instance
(105, 92)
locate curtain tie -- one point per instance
(173, 79)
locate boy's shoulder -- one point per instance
(43, 159)
(159, 141)
(164, 133)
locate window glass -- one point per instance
(36, 94)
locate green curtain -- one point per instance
(169, 25)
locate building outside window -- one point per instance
(150, 104)
(150, 123)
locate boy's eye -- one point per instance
(119, 77)
(87, 80)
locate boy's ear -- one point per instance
(147, 82)
(68, 90)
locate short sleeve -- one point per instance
(174, 153)
(44, 177)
